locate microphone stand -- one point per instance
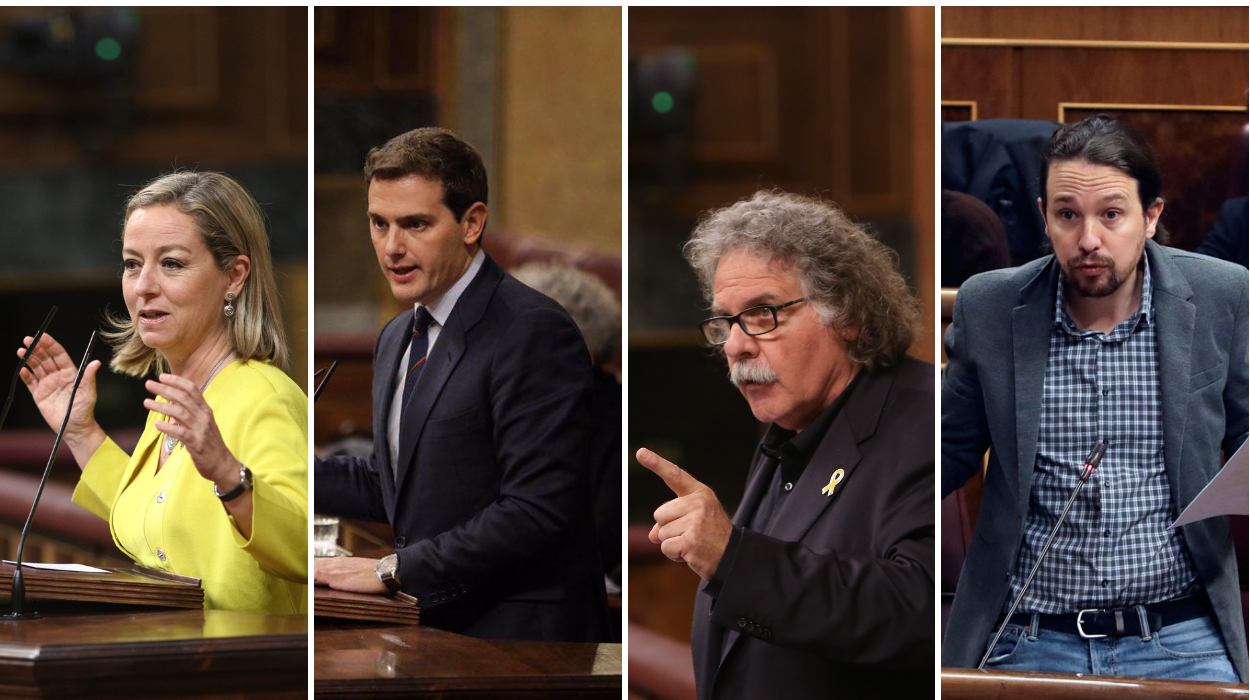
(1091, 463)
(17, 592)
(329, 373)
(20, 365)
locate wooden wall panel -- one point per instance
(366, 50)
(959, 111)
(1176, 24)
(225, 84)
(1144, 76)
(988, 76)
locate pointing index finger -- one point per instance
(674, 476)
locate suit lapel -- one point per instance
(442, 361)
(1174, 317)
(438, 367)
(389, 352)
(1031, 323)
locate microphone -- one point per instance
(29, 351)
(17, 591)
(1091, 463)
(329, 373)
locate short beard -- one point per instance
(754, 371)
(1099, 290)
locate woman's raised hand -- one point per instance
(49, 375)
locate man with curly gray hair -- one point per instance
(825, 573)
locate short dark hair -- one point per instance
(436, 154)
(1105, 141)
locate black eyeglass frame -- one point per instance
(737, 318)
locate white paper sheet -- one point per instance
(1225, 495)
(81, 568)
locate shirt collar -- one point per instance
(440, 309)
(1144, 313)
(796, 449)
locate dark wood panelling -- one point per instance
(367, 50)
(988, 76)
(1138, 76)
(225, 84)
(957, 113)
(1197, 24)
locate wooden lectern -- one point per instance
(422, 662)
(79, 650)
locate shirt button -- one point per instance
(160, 497)
(1106, 533)
(1106, 391)
(160, 555)
(1104, 583)
(789, 485)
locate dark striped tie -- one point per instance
(417, 349)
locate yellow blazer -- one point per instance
(263, 419)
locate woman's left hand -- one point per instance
(195, 427)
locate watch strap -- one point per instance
(245, 485)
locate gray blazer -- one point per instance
(992, 395)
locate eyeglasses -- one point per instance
(756, 320)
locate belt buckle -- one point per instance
(1080, 621)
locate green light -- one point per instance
(108, 49)
(662, 102)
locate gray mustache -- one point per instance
(751, 371)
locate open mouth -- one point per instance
(403, 273)
(150, 317)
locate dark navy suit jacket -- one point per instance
(491, 507)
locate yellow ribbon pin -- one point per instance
(833, 482)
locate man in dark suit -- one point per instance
(1113, 339)
(481, 438)
(822, 583)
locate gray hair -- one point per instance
(850, 277)
(587, 299)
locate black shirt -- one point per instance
(792, 451)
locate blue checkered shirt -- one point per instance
(1114, 549)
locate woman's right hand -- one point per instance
(49, 375)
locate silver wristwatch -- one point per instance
(388, 572)
(245, 485)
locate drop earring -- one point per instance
(229, 310)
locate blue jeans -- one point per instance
(1191, 650)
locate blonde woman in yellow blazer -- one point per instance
(217, 485)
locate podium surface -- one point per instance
(971, 684)
(115, 651)
(407, 661)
